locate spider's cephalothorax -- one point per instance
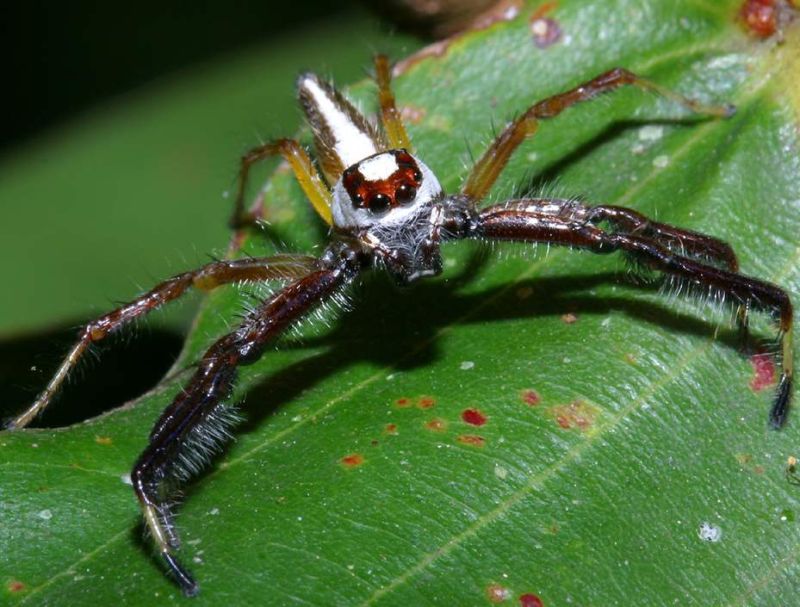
(386, 209)
(385, 200)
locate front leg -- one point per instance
(570, 224)
(180, 438)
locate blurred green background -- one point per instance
(125, 127)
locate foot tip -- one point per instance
(780, 410)
(185, 580)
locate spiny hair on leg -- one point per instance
(320, 319)
(204, 441)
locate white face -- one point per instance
(387, 189)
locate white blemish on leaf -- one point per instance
(652, 132)
(708, 532)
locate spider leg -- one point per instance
(390, 117)
(188, 422)
(204, 278)
(686, 242)
(554, 222)
(489, 166)
(304, 170)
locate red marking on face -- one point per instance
(531, 397)
(763, 371)
(473, 417)
(472, 440)
(380, 195)
(390, 429)
(530, 600)
(576, 414)
(353, 460)
(497, 593)
(16, 586)
(402, 402)
(426, 402)
(436, 425)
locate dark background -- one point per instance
(122, 45)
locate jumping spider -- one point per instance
(386, 209)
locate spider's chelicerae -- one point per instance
(387, 210)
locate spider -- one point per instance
(386, 210)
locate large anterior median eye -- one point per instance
(379, 203)
(405, 193)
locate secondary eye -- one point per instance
(405, 194)
(379, 203)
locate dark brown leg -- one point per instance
(685, 242)
(191, 422)
(313, 186)
(390, 117)
(489, 166)
(205, 278)
(524, 221)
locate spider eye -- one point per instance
(357, 200)
(417, 175)
(405, 193)
(379, 203)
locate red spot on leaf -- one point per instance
(472, 440)
(531, 397)
(403, 402)
(390, 429)
(426, 402)
(530, 600)
(16, 586)
(545, 30)
(353, 460)
(497, 593)
(436, 425)
(760, 17)
(473, 417)
(763, 371)
(412, 113)
(577, 414)
(764, 18)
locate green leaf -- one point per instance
(663, 435)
